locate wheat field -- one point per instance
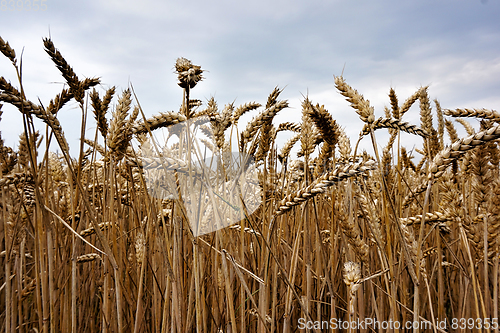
(339, 235)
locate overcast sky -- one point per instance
(250, 47)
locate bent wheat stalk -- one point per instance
(395, 124)
(72, 230)
(460, 147)
(322, 183)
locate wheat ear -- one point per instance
(457, 149)
(425, 111)
(344, 145)
(22, 104)
(285, 150)
(106, 100)
(306, 134)
(407, 163)
(163, 119)
(96, 146)
(419, 190)
(394, 103)
(452, 132)
(468, 127)
(14, 97)
(394, 124)
(288, 126)
(220, 121)
(440, 119)
(66, 95)
(353, 236)
(7, 51)
(242, 109)
(58, 102)
(409, 102)
(15, 178)
(352, 278)
(88, 257)
(90, 231)
(322, 183)
(477, 113)
(257, 122)
(99, 113)
(119, 136)
(437, 216)
(65, 69)
(326, 125)
(362, 106)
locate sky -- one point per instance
(249, 47)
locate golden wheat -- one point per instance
(336, 234)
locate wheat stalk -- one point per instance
(167, 278)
